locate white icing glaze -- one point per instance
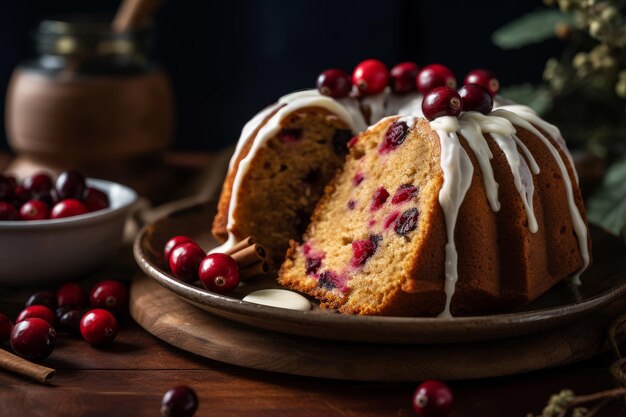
(457, 174)
(286, 105)
(458, 170)
(524, 117)
(456, 165)
(279, 298)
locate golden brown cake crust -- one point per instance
(501, 264)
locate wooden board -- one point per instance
(177, 322)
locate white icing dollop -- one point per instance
(279, 298)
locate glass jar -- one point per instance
(92, 96)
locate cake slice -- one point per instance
(444, 217)
(284, 159)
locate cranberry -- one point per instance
(432, 399)
(173, 243)
(33, 339)
(485, 79)
(370, 76)
(40, 312)
(328, 280)
(37, 184)
(312, 265)
(5, 328)
(358, 178)
(98, 326)
(395, 136)
(219, 273)
(391, 219)
(340, 140)
(8, 211)
(403, 193)
(21, 196)
(71, 294)
(7, 188)
(403, 77)
(68, 208)
(476, 98)
(48, 197)
(43, 298)
(353, 141)
(407, 222)
(70, 322)
(180, 401)
(61, 310)
(433, 76)
(364, 249)
(185, 260)
(290, 135)
(351, 204)
(334, 83)
(70, 184)
(441, 101)
(95, 199)
(34, 210)
(111, 295)
(380, 197)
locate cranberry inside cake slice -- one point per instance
(359, 252)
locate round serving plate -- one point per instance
(602, 283)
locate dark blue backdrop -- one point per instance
(227, 59)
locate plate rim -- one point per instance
(234, 306)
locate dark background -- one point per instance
(228, 59)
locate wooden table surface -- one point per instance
(129, 377)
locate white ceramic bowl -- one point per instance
(44, 251)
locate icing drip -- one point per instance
(458, 170)
(503, 133)
(474, 137)
(524, 117)
(522, 176)
(286, 105)
(457, 176)
(529, 115)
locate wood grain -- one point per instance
(177, 322)
(129, 377)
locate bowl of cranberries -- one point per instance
(53, 228)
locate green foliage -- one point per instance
(607, 206)
(531, 28)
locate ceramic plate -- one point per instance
(603, 283)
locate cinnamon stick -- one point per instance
(249, 241)
(21, 366)
(256, 269)
(250, 255)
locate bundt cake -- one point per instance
(449, 216)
